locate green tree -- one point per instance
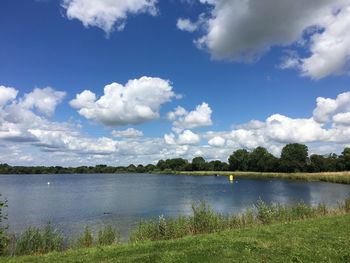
(318, 163)
(198, 164)
(294, 158)
(131, 168)
(217, 166)
(161, 165)
(176, 164)
(345, 159)
(239, 160)
(260, 160)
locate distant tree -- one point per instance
(217, 166)
(131, 168)
(176, 164)
(294, 158)
(140, 168)
(260, 160)
(150, 167)
(198, 164)
(318, 163)
(161, 165)
(345, 159)
(239, 160)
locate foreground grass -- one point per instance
(333, 177)
(325, 239)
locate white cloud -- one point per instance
(244, 30)
(44, 100)
(258, 25)
(217, 141)
(29, 137)
(326, 107)
(107, 14)
(200, 117)
(342, 118)
(285, 130)
(136, 102)
(7, 94)
(17, 117)
(128, 133)
(186, 25)
(169, 139)
(188, 137)
(330, 49)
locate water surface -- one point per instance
(71, 202)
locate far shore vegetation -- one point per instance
(294, 163)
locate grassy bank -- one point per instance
(203, 221)
(325, 239)
(333, 177)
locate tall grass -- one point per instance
(108, 236)
(34, 241)
(3, 228)
(205, 220)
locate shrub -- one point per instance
(29, 242)
(3, 229)
(51, 240)
(205, 220)
(107, 236)
(34, 240)
(87, 239)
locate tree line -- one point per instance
(294, 158)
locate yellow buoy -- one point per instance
(231, 178)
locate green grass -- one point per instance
(324, 239)
(332, 177)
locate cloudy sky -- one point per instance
(85, 82)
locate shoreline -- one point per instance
(265, 242)
(331, 177)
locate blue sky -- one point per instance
(243, 68)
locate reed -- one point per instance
(205, 220)
(36, 241)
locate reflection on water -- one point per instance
(71, 202)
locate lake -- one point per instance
(71, 202)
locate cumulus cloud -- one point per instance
(186, 137)
(136, 102)
(107, 14)
(7, 94)
(17, 117)
(217, 141)
(44, 100)
(28, 136)
(342, 118)
(330, 49)
(128, 133)
(199, 117)
(244, 30)
(259, 24)
(278, 130)
(327, 108)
